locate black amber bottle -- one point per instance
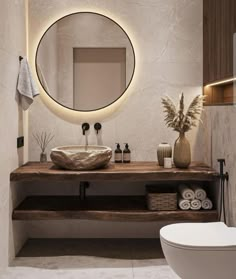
(118, 154)
(126, 154)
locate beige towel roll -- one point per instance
(195, 204)
(184, 204)
(207, 204)
(185, 192)
(199, 192)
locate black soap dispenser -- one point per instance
(118, 154)
(126, 154)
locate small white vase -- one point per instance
(164, 150)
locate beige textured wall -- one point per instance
(168, 46)
(167, 36)
(12, 44)
(222, 131)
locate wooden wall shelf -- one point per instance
(106, 208)
(135, 171)
(110, 208)
(218, 95)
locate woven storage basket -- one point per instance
(161, 198)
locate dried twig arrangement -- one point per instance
(43, 139)
(177, 119)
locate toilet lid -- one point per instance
(212, 235)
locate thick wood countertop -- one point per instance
(134, 171)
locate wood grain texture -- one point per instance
(135, 171)
(219, 26)
(222, 94)
(106, 208)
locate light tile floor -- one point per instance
(90, 259)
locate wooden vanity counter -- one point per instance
(109, 208)
(135, 171)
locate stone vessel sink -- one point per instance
(79, 157)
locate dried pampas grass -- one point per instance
(177, 119)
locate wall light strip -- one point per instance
(221, 82)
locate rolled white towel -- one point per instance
(184, 204)
(207, 204)
(195, 204)
(199, 193)
(186, 192)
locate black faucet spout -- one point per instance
(85, 127)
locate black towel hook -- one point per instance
(20, 58)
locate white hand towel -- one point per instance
(196, 204)
(186, 192)
(26, 85)
(207, 204)
(199, 193)
(184, 204)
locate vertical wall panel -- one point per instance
(219, 26)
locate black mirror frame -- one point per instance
(126, 86)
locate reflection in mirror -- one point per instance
(85, 61)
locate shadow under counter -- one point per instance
(106, 248)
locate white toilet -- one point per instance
(200, 250)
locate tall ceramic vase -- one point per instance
(164, 150)
(182, 152)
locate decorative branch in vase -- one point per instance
(182, 122)
(43, 139)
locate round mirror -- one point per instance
(85, 61)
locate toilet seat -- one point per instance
(199, 236)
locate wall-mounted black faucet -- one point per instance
(97, 126)
(85, 127)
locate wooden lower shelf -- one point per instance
(106, 208)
